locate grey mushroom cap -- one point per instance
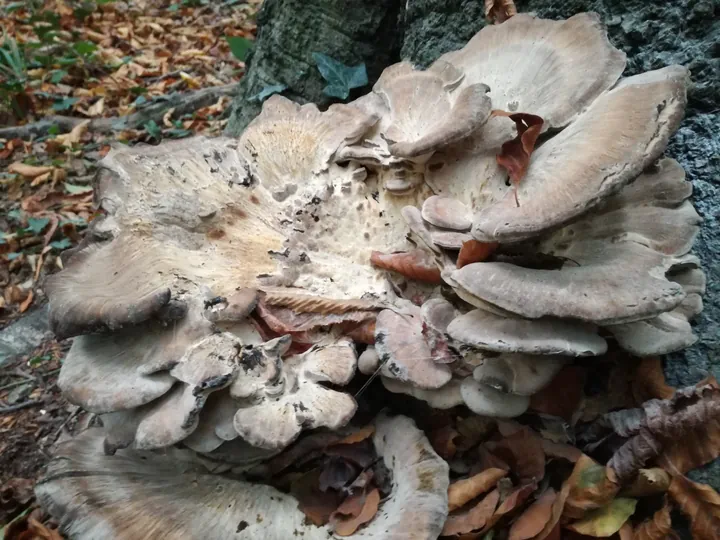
(522, 374)
(488, 401)
(490, 332)
(446, 397)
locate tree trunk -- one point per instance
(289, 31)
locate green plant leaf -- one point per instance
(57, 75)
(268, 91)
(239, 46)
(84, 48)
(54, 129)
(340, 78)
(36, 225)
(153, 130)
(64, 104)
(76, 190)
(61, 244)
(607, 520)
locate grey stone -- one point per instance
(24, 335)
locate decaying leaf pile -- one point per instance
(75, 76)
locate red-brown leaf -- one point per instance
(701, 504)
(515, 154)
(416, 264)
(473, 519)
(346, 519)
(523, 451)
(463, 491)
(473, 251)
(563, 395)
(535, 518)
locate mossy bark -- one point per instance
(289, 31)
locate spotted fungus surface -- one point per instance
(461, 232)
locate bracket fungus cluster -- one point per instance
(466, 231)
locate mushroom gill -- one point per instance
(223, 297)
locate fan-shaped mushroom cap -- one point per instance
(491, 332)
(445, 397)
(368, 361)
(515, 373)
(619, 135)
(615, 263)
(288, 401)
(148, 495)
(447, 213)
(417, 507)
(554, 69)
(448, 115)
(404, 353)
(215, 425)
(484, 399)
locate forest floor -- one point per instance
(75, 77)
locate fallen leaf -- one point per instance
(498, 11)
(317, 505)
(563, 395)
(648, 482)
(97, 108)
(649, 381)
(28, 171)
(27, 302)
(336, 474)
(417, 264)
(626, 532)
(701, 504)
(535, 518)
(658, 527)
(515, 154)
(443, 441)
(512, 501)
(523, 451)
(360, 453)
(40, 179)
(474, 518)
(76, 133)
(463, 491)
(473, 251)
(607, 520)
(591, 486)
(359, 435)
(346, 523)
(561, 450)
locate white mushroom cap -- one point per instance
(516, 373)
(491, 332)
(488, 401)
(404, 353)
(150, 495)
(368, 361)
(445, 397)
(417, 507)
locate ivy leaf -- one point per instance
(153, 130)
(61, 244)
(268, 91)
(64, 104)
(57, 76)
(84, 48)
(239, 46)
(76, 190)
(340, 78)
(36, 225)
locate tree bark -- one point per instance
(289, 31)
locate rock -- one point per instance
(22, 336)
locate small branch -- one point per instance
(20, 406)
(184, 103)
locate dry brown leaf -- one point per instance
(515, 154)
(97, 108)
(358, 436)
(524, 453)
(346, 519)
(40, 179)
(416, 264)
(443, 441)
(648, 482)
(76, 133)
(561, 450)
(701, 504)
(317, 505)
(473, 519)
(626, 532)
(463, 491)
(473, 251)
(658, 527)
(498, 11)
(591, 486)
(535, 518)
(28, 171)
(649, 381)
(27, 302)
(563, 395)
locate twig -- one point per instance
(14, 384)
(20, 406)
(182, 103)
